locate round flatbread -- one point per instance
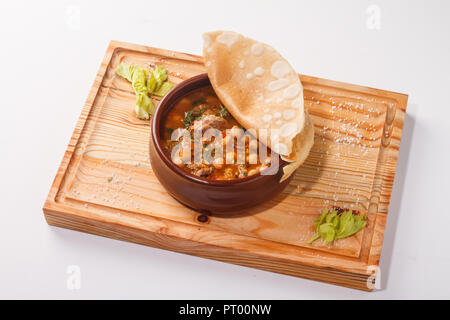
(303, 143)
(261, 90)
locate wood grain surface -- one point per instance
(105, 184)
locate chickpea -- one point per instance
(253, 158)
(175, 117)
(178, 161)
(185, 102)
(227, 140)
(237, 132)
(216, 144)
(229, 157)
(228, 173)
(253, 145)
(186, 155)
(240, 157)
(218, 163)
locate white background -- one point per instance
(49, 56)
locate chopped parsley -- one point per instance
(223, 112)
(188, 118)
(192, 115)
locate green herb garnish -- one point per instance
(223, 112)
(337, 224)
(192, 115)
(188, 118)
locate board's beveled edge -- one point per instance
(50, 201)
(206, 250)
(242, 243)
(80, 123)
(157, 51)
(373, 259)
(401, 98)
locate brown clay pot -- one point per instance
(210, 196)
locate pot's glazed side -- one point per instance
(201, 194)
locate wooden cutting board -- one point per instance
(105, 184)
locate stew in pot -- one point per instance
(184, 134)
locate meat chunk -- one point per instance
(204, 172)
(200, 169)
(208, 122)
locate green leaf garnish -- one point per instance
(144, 106)
(163, 89)
(332, 225)
(125, 71)
(145, 82)
(151, 82)
(160, 76)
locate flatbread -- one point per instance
(261, 90)
(303, 143)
